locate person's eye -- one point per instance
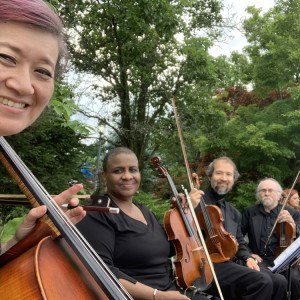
(7, 58)
(134, 170)
(44, 72)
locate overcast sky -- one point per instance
(238, 7)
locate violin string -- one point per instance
(50, 203)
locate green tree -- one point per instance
(273, 45)
(141, 53)
(263, 141)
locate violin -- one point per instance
(285, 232)
(191, 267)
(221, 245)
(62, 249)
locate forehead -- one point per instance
(269, 184)
(30, 42)
(122, 160)
(223, 166)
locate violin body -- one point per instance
(221, 245)
(191, 260)
(286, 235)
(51, 271)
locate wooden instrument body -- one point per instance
(286, 235)
(50, 270)
(191, 260)
(77, 272)
(221, 245)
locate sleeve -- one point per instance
(99, 231)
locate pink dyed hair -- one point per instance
(39, 14)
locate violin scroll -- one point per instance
(156, 165)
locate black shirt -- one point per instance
(132, 250)
(267, 225)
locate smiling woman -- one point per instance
(132, 243)
(32, 52)
(26, 74)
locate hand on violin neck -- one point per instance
(183, 201)
(196, 196)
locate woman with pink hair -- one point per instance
(32, 53)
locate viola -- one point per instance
(78, 250)
(191, 266)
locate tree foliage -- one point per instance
(273, 46)
(263, 141)
(141, 52)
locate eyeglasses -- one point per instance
(270, 191)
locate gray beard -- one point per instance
(221, 191)
(267, 202)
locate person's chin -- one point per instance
(222, 191)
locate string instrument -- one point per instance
(221, 245)
(62, 264)
(285, 232)
(191, 267)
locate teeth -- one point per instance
(11, 103)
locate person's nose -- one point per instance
(21, 81)
(223, 177)
(127, 175)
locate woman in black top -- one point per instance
(132, 243)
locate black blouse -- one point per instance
(132, 250)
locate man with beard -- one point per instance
(236, 281)
(258, 221)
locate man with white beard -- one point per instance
(258, 221)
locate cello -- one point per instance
(81, 273)
(191, 267)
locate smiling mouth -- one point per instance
(11, 103)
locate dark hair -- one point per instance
(39, 14)
(114, 152)
(211, 167)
